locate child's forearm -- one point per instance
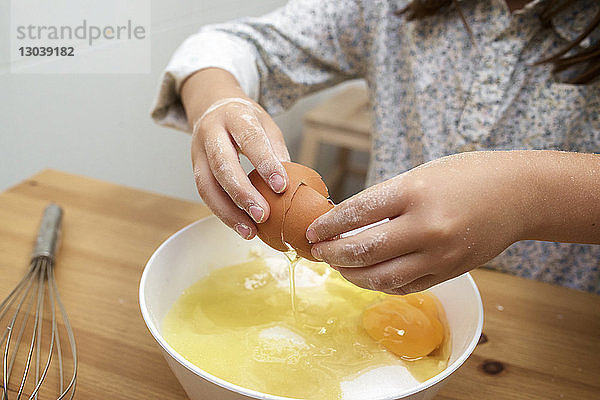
(565, 191)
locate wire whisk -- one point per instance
(33, 319)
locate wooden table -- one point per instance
(541, 341)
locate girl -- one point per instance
(449, 82)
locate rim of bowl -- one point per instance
(155, 331)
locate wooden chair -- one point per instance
(343, 121)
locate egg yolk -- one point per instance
(408, 326)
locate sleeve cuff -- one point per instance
(206, 49)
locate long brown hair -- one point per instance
(586, 61)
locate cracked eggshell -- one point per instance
(271, 230)
(293, 211)
(307, 205)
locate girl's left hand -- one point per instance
(446, 217)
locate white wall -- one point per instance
(98, 125)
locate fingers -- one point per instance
(218, 137)
(418, 285)
(217, 199)
(275, 137)
(374, 245)
(388, 275)
(384, 200)
(251, 137)
(400, 276)
(423, 283)
(225, 166)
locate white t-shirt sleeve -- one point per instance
(303, 47)
(206, 49)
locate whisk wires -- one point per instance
(30, 346)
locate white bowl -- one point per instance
(194, 251)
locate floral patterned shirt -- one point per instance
(434, 89)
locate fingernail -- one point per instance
(257, 213)
(311, 236)
(316, 253)
(243, 230)
(277, 183)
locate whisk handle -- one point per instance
(49, 231)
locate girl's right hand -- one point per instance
(229, 126)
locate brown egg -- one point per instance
(293, 211)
